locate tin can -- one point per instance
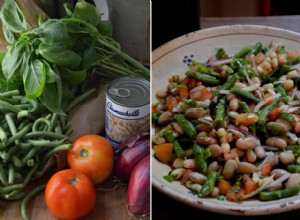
(127, 109)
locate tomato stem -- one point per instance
(74, 181)
(84, 153)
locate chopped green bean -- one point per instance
(176, 145)
(209, 185)
(202, 77)
(200, 159)
(244, 94)
(186, 125)
(279, 194)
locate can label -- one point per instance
(123, 121)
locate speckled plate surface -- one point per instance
(172, 58)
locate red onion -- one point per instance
(134, 150)
(219, 62)
(230, 126)
(139, 188)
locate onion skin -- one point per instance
(138, 194)
(130, 157)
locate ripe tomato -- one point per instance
(92, 155)
(70, 194)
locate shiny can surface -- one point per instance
(127, 109)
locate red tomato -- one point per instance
(92, 155)
(70, 194)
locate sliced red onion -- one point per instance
(219, 62)
(267, 147)
(268, 158)
(225, 92)
(260, 104)
(294, 109)
(230, 126)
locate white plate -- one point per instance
(170, 59)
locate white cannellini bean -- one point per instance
(229, 169)
(177, 173)
(178, 163)
(197, 177)
(287, 157)
(294, 180)
(189, 163)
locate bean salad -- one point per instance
(229, 127)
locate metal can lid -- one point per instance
(129, 91)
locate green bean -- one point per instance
(257, 48)
(243, 52)
(68, 131)
(46, 143)
(3, 177)
(28, 196)
(227, 85)
(220, 53)
(14, 195)
(31, 172)
(10, 152)
(202, 77)
(186, 125)
(9, 93)
(11, 125)
(24, 113)
(3, 135)
(28, 156)
(25, 145)
(220, 113)
(199, 155)
(9, 107)
(176, 145)
(262, 116)
(8, 189)
(53, 121)
(16, 161)
(279, 194)
(79, 99)
(244, 107)
(62, 120)
(3, 155)
(30, 162)
(11, 174)
(293, 168)
(38, 122)
(294, 61)
(60, 148)
(288, 117)
(57, 129)
(19, 135)
(201, 68)
(244, 94)
(209, 185)
(44, 134)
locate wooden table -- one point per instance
(163, 207)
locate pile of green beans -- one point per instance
(27, 141)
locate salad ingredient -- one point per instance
(139, 188)
(70, 194)
(243, 129)
(134, 150)
(163, 152)
(28, 139)
(60, 56)
(93, 155)
(26, 199)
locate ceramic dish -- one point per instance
(172, 58)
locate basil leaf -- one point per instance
(34, 79)
(51, 97)
(89, 57)
(8, 34)
(105, 28)
(74, 77)
(12, 16)
(12, 59)
(54, 31)
(60, 56)
(87, 12)
(51, 75)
